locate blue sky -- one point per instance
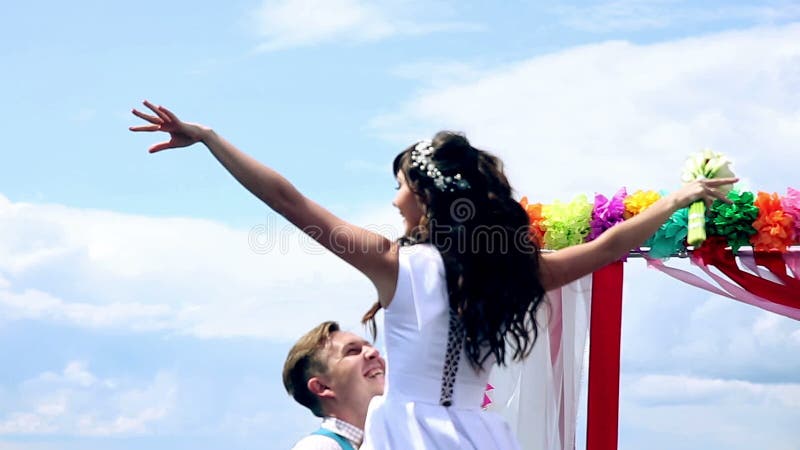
(148, 300)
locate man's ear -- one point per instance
(318, 387)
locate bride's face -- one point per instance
(408, 203)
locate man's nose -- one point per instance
(371, 352)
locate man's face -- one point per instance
(355, 369)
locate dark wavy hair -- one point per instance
(482, 233)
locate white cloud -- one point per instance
(100, 269)
(33, 304)
(294, 23)
(636, 111)
(676, 389)
(772, 329)
(75, 373)
(676, 328)
(634, 15)
(662, 412)
(78, 403)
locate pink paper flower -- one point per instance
(791, 206)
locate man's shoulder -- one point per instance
(316, 442)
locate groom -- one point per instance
(334, 374)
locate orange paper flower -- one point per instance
(536, 220)
(773, 225)
(638, 202)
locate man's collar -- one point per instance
(347, 430)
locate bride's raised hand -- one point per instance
(181, 134)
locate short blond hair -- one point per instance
(304, 362)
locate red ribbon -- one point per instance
(714, 253)
(775, 263)
(602, 426)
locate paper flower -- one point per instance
(706, 164)
(566, 224)
(536, 220)
(733, 221)
(791, 206)
(670, 237)
(639, 201)
(773, 226)
(607, 213)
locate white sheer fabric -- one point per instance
(539, 397)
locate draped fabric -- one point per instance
(539, 396)
(766, 280)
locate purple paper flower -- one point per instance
(607, 213)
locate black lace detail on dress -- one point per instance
(455, 342)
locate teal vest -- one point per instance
(344, 443)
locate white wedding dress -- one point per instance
(411, 413)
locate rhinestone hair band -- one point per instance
(421, 158)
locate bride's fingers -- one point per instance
(712, 192)
(169, 113)
(722, 197)
(160, 146)
(155, 109)
(147, 117)
(145, 128)
(720, 181)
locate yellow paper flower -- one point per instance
(638, 202)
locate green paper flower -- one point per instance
(671, 236)
(734, 221)
(566, 224)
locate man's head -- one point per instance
(334, 372)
